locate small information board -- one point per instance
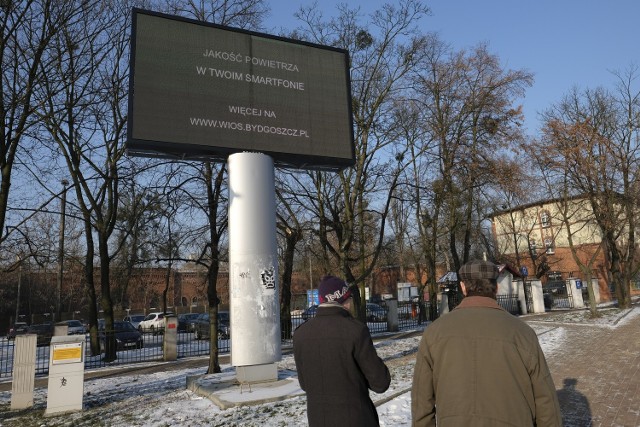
(67, 353)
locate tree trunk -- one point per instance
(110, 353)
(292, 237)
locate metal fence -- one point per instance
(509, 303)
(411, 315)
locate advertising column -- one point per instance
(253, 267)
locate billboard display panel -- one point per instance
(199, 90)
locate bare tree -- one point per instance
(352, 205)
(289, 216)
(85, 116)
(591, 140)
(456, 122)
(28, 33)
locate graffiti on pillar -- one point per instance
(268, 278)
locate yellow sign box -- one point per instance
(67, 353)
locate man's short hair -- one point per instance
(480, 278)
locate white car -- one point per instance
(154, 323)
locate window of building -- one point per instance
(545, 219)
(548, 244)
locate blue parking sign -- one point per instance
(312, 298)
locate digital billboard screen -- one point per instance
(203, 91)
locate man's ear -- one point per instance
(464, 288)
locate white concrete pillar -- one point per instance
(576, 294)
(444, 304)
(537, 296)
(596, 290)
(24, 371)
(392, 315)
(60, 330)
(253, 267)
(170, 338)
(518, 287)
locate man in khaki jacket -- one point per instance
(481, 366)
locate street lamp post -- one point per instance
(63, 207)
(310, 275)
(310, 300)
(19, 283)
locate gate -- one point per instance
(556, 296)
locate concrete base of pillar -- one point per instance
(257, 373)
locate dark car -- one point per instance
(310, 312)
(134, 319)
(19, 328)
(376, 313)
(202, 327)
(44, 331)
(127, 336)
(185, 321)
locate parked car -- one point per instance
(18, 328)
(154, 323)
(202, 327)
(185, 321)
(134, 319)
(44, 331)
(376, 313)
(74, 327)
(310, 312)
(127, 337)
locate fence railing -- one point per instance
(411, 315)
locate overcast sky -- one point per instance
(565, 43)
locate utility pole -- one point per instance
(19, 258)
(63, 208)
(310, 279)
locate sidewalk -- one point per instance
(597, 374)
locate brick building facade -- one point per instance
(540, 237)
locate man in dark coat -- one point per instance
(480, 366)
(337, 363)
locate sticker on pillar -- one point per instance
(268, 278)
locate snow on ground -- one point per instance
(161, 399)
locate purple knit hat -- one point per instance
(333, 289)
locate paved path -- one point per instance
(597, 374)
